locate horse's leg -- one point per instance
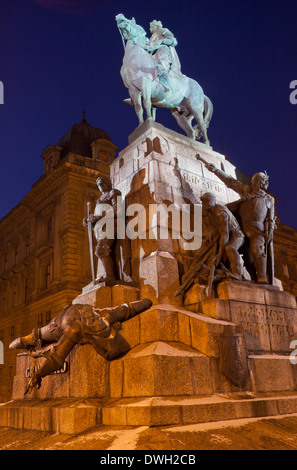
(154, 110)
(146, 90)
(184, 122)
(195, 105)
(201, 124)
(135, 96)
(148, 108)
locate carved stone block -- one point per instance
(98, 297)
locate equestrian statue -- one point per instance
(152, 73)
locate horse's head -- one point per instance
(129, 29)
(120, 19)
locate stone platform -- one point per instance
(172, 374)
(73, 417)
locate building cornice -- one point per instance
(27, 206)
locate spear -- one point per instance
(91, 241)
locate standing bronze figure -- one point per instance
(255, 210)
(113, 252)
(226, 228)
(223, 239)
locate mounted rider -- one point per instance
(163, 43)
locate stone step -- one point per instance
(60, 416)
(272, 373)
(161, 411)
(168, 369)
(76, 416)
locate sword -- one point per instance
(211, 271)
(210, 279)
(269, 251)
(91, 242)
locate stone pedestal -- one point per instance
(159, 168)
(173, 372)
(266, 315)
(171, 375)
(171, 346)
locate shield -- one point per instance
(234, 358)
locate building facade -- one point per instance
(44, 253)
(285, 255)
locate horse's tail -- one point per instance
(208, 110)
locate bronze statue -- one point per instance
(152, 73)
(255, 211)
(78, 324)
(113, 253)
(221, 243)
(224, 225)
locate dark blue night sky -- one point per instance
(59, 55)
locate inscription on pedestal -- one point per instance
(204, 184)
(267, 328)
(30, 370)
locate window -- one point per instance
(14, 296)
(27, 247)
(26, 289)
(292, 269)
(49, 229)
(11, 374)
(285, 270)
(12, 333)
(40, 320)
(47, 275)
(47, 317)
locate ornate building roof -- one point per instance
(79, 138)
